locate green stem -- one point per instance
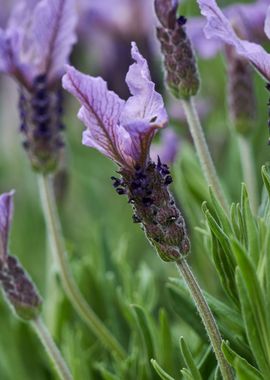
(247, 162)
(51, 349)
(206, 316)
(71, 289)
(200, 143)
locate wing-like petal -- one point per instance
(6, 211)
(146, 104)
(100, 113)
(53, 30)
(219, 26)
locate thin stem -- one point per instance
(206, 316)
(70, 287)
(200, 143)
(51, 349)
(247, 162)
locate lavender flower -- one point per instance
(16, 284)
(218, 26)
(180, 64)
(239, 15)
(123, 131)
(33, 50)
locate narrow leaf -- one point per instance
(190, 363)
(162, 374)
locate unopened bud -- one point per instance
(241, 94)
(180, 64)
(19, 290)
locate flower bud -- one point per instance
(241, 95)
(154, 207)
(180, 64)
(40, 113)
(19, 290)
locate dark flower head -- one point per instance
(120, 130)
(17, 286)
(38, 41)
(218, 26)
(34, 50)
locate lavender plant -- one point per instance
(133, 318)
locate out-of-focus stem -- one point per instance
(206, 316)
(51, 349)
(70, 287)
(247, 162)
(205, 158)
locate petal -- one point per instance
(5, 62)
(267, 23)
(168, 147)
(219, 26)
(53, 31)
(145, 104)
(6, 211)
(100, 113)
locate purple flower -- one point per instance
(120, 130)
(6, 211)
(168, 147)
(38, 41)
(239, 15)
(17, 286)
(218, 26)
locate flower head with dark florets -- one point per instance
(34, 50)
(123, 131)
(17, 287)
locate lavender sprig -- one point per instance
(123, 132)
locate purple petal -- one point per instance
(6, 211)
(5, 62)
(168, 147)
(219, 26)
(53, 32)
(144, 112)
(100, 113)
(267, 23)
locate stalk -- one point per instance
(206, 316)
(71, 289)
(200, 143)
(51, 349)
(247, 162)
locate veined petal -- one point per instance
(219, 26)
(100, 112)
(53, 31)
(6, 211)
(145, 104)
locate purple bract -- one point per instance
(120, 130)
(38, 41)
(218, 26)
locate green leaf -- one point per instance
(266, 177)
(234, 359)
(250, 226)
(186, 374)
(162, 374)
(253, 311)
(189, 360)
(145, 331)
(106, 374)
(166, 344)
(220, 213)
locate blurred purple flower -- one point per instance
(120, 130)
(38, 41)
(239, 14)
(218, 26)
(6, 211)
(168, 147)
